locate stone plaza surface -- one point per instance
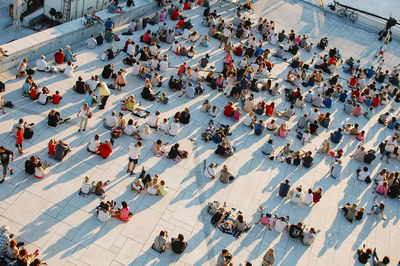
(49, 215)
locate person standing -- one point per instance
(104, 94)
(84, 113)
(5, 160)
(19, 139)
(134, 155)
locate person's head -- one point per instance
(354, 206)
(240, 218)
(162, 182)
(176, 146)
(139, 144)
(23, 252)
(124, 204)
(271, 251)
(386, 260)
(181, 237)
(162, 233)
(368, 251)
(13, 243)
(224, 252)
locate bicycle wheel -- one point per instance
(353, 16)
(341, 12)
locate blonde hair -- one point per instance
(87, 179)
(147, 130)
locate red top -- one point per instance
(52, 148)
(19, 136)
(270, 110)
(332, 60)
(316, 197)
(356, 93)
(182, 69)
(59, 57)
(238, 51)
(375, 101)
(186, 6)
(146, 37)
(34, 94)
(180, 23)
(352, 81)
(56, 98)
(228, 110)
(105, 150)
(174, 14)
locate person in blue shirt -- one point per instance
(109, 24)
(90, 98)
(259, 50)
(336, 136)
(284, 188)
(393, 124)
(268, 149)
(343, 96)
(328, 102)
(259, 128)
(370, 72)
(69, 55)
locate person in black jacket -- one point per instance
(174, 152)
(54, 118)
(148, 94)
(185, 117)
(31, 164)
(108, 70)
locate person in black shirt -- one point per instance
(129, 60)
(54, 118)
(108, 70)
(5, 160)
(174, 152)
(80, 86)
(296, 230)
(178, 245)
(364, 256)
(308, 160)
(314, 128)
(30, 165)
(185, 117)
(100, 39)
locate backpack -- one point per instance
(212, 207)
(8, 104)
(28, 133)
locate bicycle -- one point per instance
(344, 11)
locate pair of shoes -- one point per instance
(128, 170)
(132, 173)
(79, 130)
(11, 171)
(1, 181)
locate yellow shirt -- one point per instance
(163, 190)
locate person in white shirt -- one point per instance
(164, 65)
(41, 64)
(85, 189)
(92, 83)
(279, 224)
(295, 194)
(131, 50)
(94, 144)
(84, 113)
(390, 145)
(69, 69)
(91, 43)
(314, 114)
(306, 137)
(154, 120)
(186, 33)
(145, 134)
(153, 49)
(152, 189)
(136, 68)
(362, 175)
(209, 171)
(249, 119)
(154, 62)
(110, 121)
(173, 129)
(307, 199)
(134, 155)
(163, 126)
(175, 47)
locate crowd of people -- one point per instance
(250, 50)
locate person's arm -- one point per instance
(383, 215)
(78, 113)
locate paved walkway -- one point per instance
(49, 215)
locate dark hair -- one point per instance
(386, 260)
(96, 137)
(240, 218)
(181, 237)
(162, 233)
(159, 141)
(124, 204)
(130, 122)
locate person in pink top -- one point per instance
(382, 189)
(124, 215)
(358, 110)
(228, 58)
(265, 218)
(237, 114)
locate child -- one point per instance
(163, 99)
(360, 214)
(205, 107)
(19, 139)
(265, 219)
(164, 125)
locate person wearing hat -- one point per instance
(4, 239)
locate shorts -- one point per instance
(388, 153)
(135, 161)
(18, 145)
(121, 85)
(5, 167)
